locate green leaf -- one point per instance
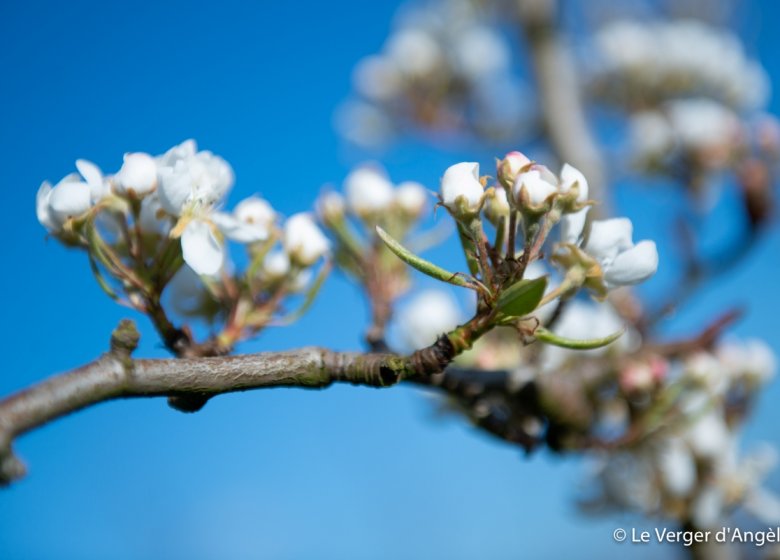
(421, 264)
(522, 297)
(551, 338)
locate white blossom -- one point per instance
(368, 191)
(572, 223)
(622, 262)
(303, 241)
(251, 220)
(138, 175)
(411, 197)
(538, 183)
(461, 189)
(276, 265)
(70, 198)
(190, 178)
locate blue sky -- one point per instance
(290, 474)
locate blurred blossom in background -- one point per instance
(304, 102)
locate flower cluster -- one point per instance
(641, 63)
(372, 200)
(530, 196)
(159, 222)
(686, 465)
(446, 67)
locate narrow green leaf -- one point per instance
(551, 338)
(421, 264)
(522, 297)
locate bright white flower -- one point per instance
(622, 262)
(573, 223)
(69, 198)
(538, 182)
(190, 178)
(368, 191)
(251, 220)
(138, 175)
(303, 241)
(707, 507)
(276, 265)
(411, 197)
(201, 249)
(427, 316)
(461, 189)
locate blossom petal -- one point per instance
(633, 266)
(42, 207)
(201, 249)
(69, 199)
(572, 225)
(608, 238)
(571, 175)
(237, 230)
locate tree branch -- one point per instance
(116, 375)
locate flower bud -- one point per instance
(368, 191)
(303, 241)
(410, 197)
(276, 265)
(70, 198)
(496, 205)
(137, 176)
(461, 191)
(510, 167)
(534, 187)
(256, 211)
(331, 207)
